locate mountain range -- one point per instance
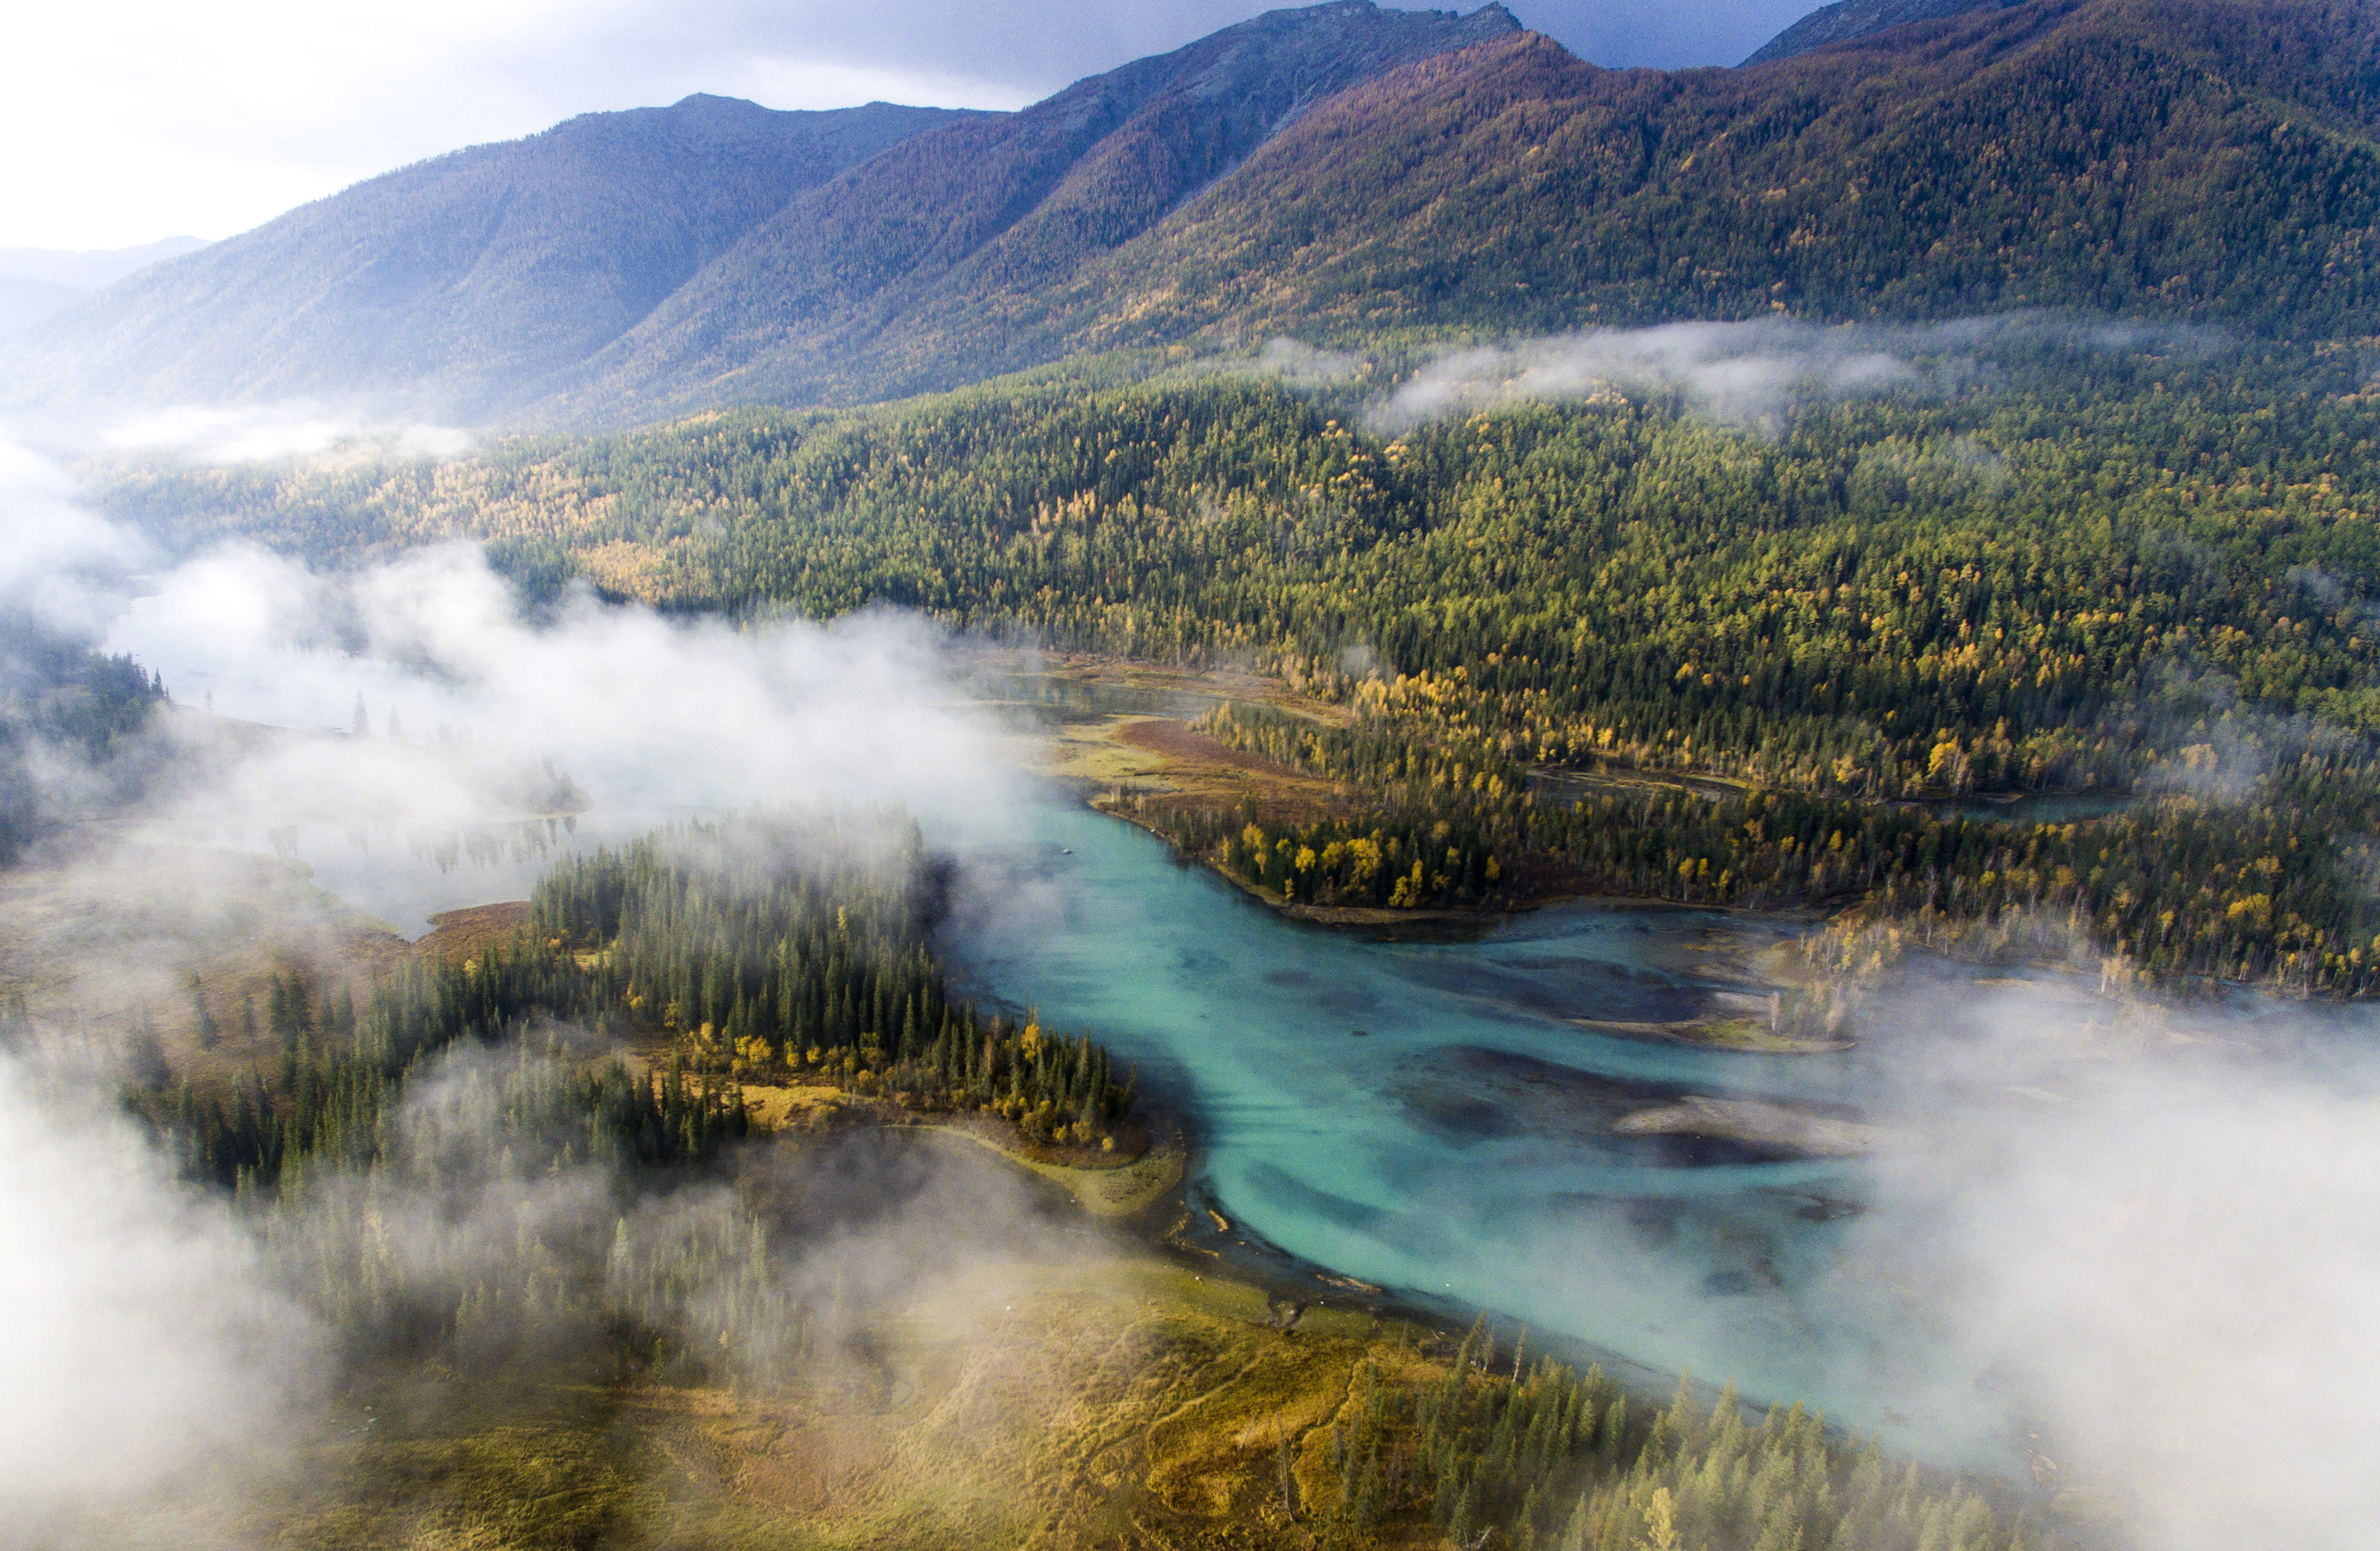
(1337, 172)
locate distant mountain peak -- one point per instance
(37, 283)
(471, 284)
(972, 221)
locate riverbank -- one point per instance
(1750, 979)
(1178, 1222)
(1138, 768)
(1346, 917)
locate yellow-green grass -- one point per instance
(1101, 1403)
(1104, 1192)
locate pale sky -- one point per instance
(129, 120)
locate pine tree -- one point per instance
(145, 1054)
(201, 1017)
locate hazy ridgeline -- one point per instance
(1900, 566)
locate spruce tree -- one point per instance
(202, 1018)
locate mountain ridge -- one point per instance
(88, 269)
(2194, 167)
(1342, 171)
(36, 282)
(443, 287)
(1848, 20)
(434, 316)
(1060, 194)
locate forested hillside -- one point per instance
(897, 277)
(2211, 160)
(2136, 574)
(1846, 21)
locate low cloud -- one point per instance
(177, 1362)
(354, 720)
(171, 1347)
(2155, 1233)
(149, 1356)
(61, 563)
(283, 431)
(1289, 361)
(1739, 373)
(644, 712)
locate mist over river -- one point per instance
(1416, 1115)
(1430, 1116)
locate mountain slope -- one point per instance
(2208, 161)
(446, 286)
(1846, 19)
(823, 299)
(2199, 160)
(37, 283)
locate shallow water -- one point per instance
(1459, 1146)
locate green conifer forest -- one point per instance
(2135, 574)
